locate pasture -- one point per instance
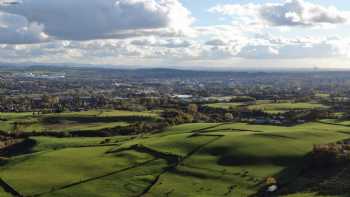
(3, 193)
(284, 107)
(200, 159)
(92, 120)
(269, 106)
(225, 105)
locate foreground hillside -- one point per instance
(203, 159)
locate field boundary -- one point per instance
(174, 166)
(9, 189)
(95, 178)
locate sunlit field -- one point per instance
(213, 158)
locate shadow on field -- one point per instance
(286, 177)
(215, 128)
(170, 158)
(226, 158)
(344, 132)
(335, 124)
(324, 180)
(210, 127)
(95, 119)
(9, 189)
(193, 173)
(271, 135)
(23, 147)
(236, 160)
(229, 130)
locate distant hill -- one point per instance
(104, 72)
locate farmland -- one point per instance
(283, 107)
(92, 120)
(216, 159)
(225, 105)
(269, 106)
(173, 133)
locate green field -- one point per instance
(3, 193)
(284, 107)
(336, 122)
(269, 107)
(92, 120)
(201, 159)
(323, 95)
(225, 105)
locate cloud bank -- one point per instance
(143, 31)
(97, 19)
(289, 13)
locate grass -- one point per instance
(337, 122)
(323, 95)
(129, 183)
(309, 195)
(109, 113)
(233, 160)
(49, 143)
(42, 172)
(3, 193)
(92, 120)
(225, 105)
(269, 107)
(284, 107)
(214, 160)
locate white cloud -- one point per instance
(216, 42)
(258, 48)
(272, 48)
(168, 43)
(141, 31)
(16, 29)
(289, 13)
(258, 52)
(227, 32)
(9, 2)
(98, 19)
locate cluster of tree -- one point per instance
(185, 114)
(50, 103)
(242, 99)
(145, 103)
(76, 102)
(174, 117)
(232, 114)
(330, 154)
(6, 141)
(307, 115)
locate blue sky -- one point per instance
(213, 34)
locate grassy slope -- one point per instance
(128, 183)
(29, 123)
(49, 143)
(42, 172)
(305, 195)
(244, 159)
(3, 193)
(222, 160)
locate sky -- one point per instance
(191, 34)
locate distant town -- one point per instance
(251, 129)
